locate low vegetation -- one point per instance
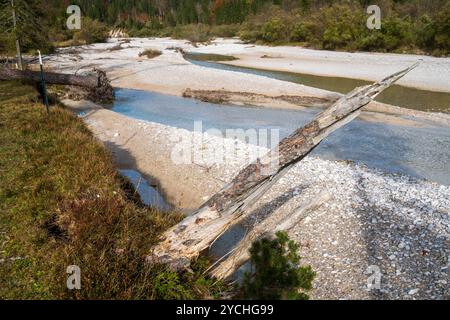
(92, 31)
(150, 53)
(63, 203)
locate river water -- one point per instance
(396, 95)
(422, 152)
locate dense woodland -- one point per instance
(417, 26)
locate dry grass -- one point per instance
(62, 203)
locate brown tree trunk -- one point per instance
(195, 233)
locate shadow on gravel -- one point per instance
(410, 255)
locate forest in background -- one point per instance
(413, 26)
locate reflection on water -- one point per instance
(149, 195)
(419, 152)
(396, 95)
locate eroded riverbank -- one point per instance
(406, 97)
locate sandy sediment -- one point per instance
(171, 74)
(375, 221)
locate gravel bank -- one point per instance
(395, 223)
(433, 74)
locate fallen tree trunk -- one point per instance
(196, 232)
(267, 228)
(98, 84)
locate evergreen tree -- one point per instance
(276, 273)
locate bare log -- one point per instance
(267, 228)
(195, 233)
(98, 84)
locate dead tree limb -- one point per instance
(50, 77)
(98, 84)
(267, 228)
(195, 233)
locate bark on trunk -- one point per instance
(267, 228)
(195, 233)
(50, 77)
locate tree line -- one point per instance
(416, 26)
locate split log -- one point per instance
(195, 233)
(99, 86)
(267, 228)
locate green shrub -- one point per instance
(276, 273)
(63, 203)
(225, 31)
(426, 32)
(170, 285)
(275, 31)
(192, 32)
(443, 29)
(397, 33)
(250, 32)
(341, 26)
(92, 31)
(167, 286)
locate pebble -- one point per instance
(413, 292)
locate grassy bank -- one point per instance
(62, 203)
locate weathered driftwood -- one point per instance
(267, 228)
(196, 232)
(98, 84)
